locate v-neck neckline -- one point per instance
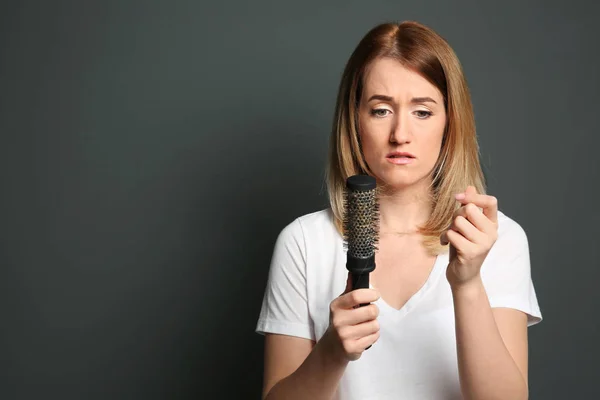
(436, 271)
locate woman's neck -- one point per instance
(402, 211)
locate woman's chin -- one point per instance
(395, 183)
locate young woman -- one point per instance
(451, 295)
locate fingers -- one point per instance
(354, 328)
(467, 229)
(356, 297)
(351, 332)
(472, 224)
(489, 204)
(478, 213)
(355, 316)
(367, 341)
(476, 217)
(459, 241)
(355, 347)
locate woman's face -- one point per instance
(400, 112)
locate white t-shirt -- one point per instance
(415, 355)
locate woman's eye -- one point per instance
(380, 112)
(423, 114)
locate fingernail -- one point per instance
(460, 196)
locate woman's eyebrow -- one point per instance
(381, 97)
(414, 100)
(423, 100)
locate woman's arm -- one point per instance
(491, 345)
(296, 368)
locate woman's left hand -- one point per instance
(471, 236)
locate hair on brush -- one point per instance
(361, 221)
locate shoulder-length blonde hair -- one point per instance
(420, 49)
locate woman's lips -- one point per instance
(400, 160)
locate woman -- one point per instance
(451, 296)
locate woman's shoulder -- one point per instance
(317, 220)
(510, 232)
(311, 222)
(510, 245)
(310, 228)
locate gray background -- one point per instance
(150, 152)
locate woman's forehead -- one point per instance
(390, 78)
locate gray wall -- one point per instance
(150, 152)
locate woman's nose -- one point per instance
(400, 132)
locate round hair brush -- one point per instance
(361, 228)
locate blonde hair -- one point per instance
(420, 49)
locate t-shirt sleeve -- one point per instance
(506, 272)
(285, 305)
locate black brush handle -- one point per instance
(360, 281)
(359, 271)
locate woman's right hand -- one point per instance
(352, 328)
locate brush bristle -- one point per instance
(361, 223)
